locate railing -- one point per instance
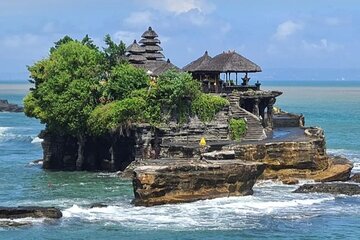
(229, 89)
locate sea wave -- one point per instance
(221, 213)
(8, 134)
(37, 140)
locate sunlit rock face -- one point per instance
(191, 181)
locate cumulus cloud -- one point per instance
(139, 19)
(183, 6)
(286, 29)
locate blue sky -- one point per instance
(289, 39)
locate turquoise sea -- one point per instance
(273, 212)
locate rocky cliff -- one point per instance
(184, 181)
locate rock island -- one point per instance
(204, 131)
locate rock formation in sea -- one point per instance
(182, 181)
(332, 188)
(196, 150)
(5, 106)
(33, 212)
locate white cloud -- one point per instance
(286, 29)
(139, 19)
(126, 36)
(321, 45)
(180, 6)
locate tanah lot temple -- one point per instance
(171, 163)
(218, 75)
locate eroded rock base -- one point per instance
(185, 181)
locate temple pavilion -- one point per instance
(226, 74)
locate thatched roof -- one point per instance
(149, 33)
(225, 62)
(136, 58)
(230, 62)
(163, 67)
(157, 67)
(149, 41)
(198, 63)
(152, 48)
(135, 48)
(152, 56)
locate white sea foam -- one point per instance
(8, 134)
(25, 221)
(37, 140)
(3, 130)
(221, 213)
(352, 155)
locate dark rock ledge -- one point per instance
(32, 212)
(332, 188)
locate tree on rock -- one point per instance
(66, 91)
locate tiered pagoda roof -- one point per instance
(135, 53)
(150, 43)
(148, 54)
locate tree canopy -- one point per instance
(80, 90)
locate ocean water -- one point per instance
(273, 212)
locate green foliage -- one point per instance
(114, 53)
(237, 128)
(170, 97)
(62, 41)
(66, 83)
(117, 115)
(123, 80)
(80, 90)
(205, 106)
(87, 41)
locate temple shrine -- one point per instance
(226, 74)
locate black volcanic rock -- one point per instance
(332, 188)
(355, 178)
(5, 106)
(33, 212)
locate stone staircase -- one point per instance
(255, 130)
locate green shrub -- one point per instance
(237, 128)
(206, 106)
(118, 114)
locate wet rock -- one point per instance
(5, 106)
(333, 188)
(339, 169)
(290, 181)
(14, 224)
(355, 178)
(219, 155)
(179, 182)
(98, 205)
(34, 212)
